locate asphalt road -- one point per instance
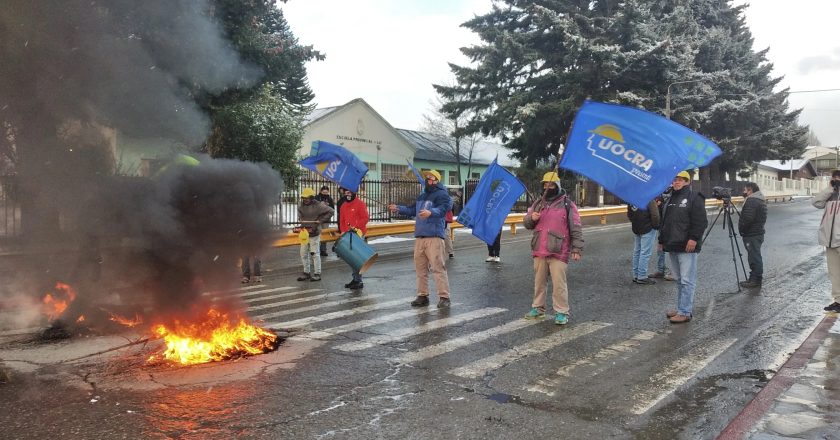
(361, 365)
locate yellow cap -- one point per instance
(551, 176)
(684, 175)
(432, 172)
(307, 192)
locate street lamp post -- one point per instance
(668, 95)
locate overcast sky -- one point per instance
(389, 52)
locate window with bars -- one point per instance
(396, 172)
(454, 178)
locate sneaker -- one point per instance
(679, 319)
(535, 313)
(324, 254)
(316, 277)
(497, 259)
(749, 284)
(348, 285)
(657, 275)
(489, 259)
(420, 301)
(635, 279)
(303, 277)
(451, 256)
(443, 302)
(646, 281)
(257, 279)
(669, 277)
(354, 285)
(245, 280)
(833, 307)
(561, 318)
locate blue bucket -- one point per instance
(354, 251)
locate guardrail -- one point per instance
(407, 227)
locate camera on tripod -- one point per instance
(722, 193)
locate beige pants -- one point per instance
(448, 241)
(559, 293)
(428, 257)
(832, 256)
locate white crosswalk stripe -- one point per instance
(336, 315)
(329, 332)
(482, 366)
(596, 361)
(293, 301)
(256, 292)
(422, 328)
(463, 341)
(222, 292)
(318, 306)
(280, 295)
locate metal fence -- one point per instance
(10, 225)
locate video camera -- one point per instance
(722, 193)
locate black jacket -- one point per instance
(643, 222)
(683, 219)
(753, 215)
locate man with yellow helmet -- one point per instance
(558, 235)
(311, 214)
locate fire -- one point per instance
(55, 305)
(214, 339)
(126, 321)
(81, 318)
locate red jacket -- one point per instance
(353, 215)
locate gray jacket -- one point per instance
(313, 215)
(829, 233)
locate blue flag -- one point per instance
(337, 164)
(494, 197)
(417, 173)
(633, 153)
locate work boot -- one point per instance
(420, 301)
(671, 313)
(679, 319)
(303, 277)
(354, 285)
(316, 277)
(749, 284)
(833, 307)
(443, 302)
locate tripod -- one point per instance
(726, 209)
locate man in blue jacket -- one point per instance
(429, 212)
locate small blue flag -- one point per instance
(417, 173)
(494, 197)
(336, 164)
(633, 153)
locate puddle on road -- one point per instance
(504, 398)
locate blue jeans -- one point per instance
(753, 247)
(660, 262)
(642, 248)
(684, 268)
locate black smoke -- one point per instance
(74, 75)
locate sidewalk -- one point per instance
(802, 401)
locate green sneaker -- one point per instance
(535, 313)
(561, 318)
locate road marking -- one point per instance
(336, 315)
(677, 373)
(316, 306)
(256, 292)
(482, 366)
(548, 386)
(422, 328)
(281, 295)
(329, 332)
(294, 301)
(238, 289)
(463, 341)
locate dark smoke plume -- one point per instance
(73, 73)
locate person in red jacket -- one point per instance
(354, 216)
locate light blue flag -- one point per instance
(417, 173)
(492, 201)
(336, 164)
(633, 153)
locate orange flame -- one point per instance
(125, 321)
(54, 306)
(81, 318)
(216, 338)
